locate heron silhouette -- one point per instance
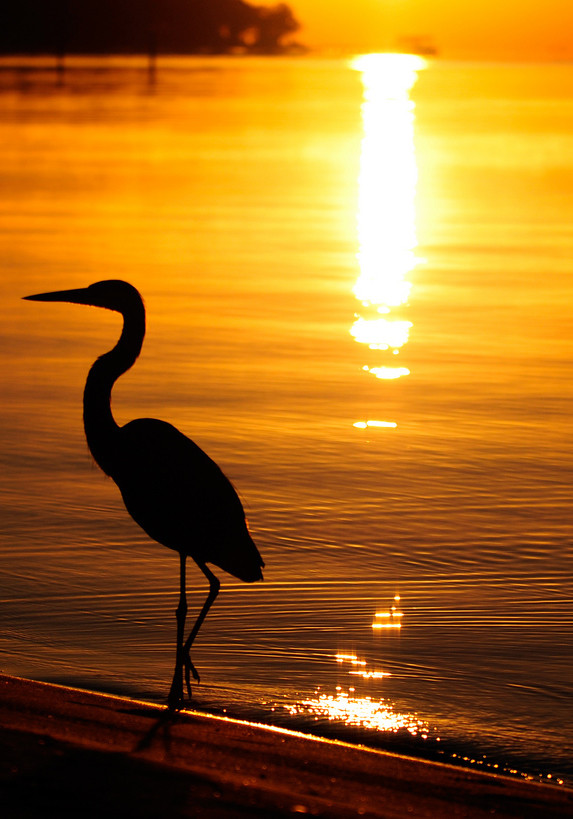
(170, 487)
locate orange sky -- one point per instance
(471, 28)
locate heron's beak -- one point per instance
(79, 296)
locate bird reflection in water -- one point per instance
(170, 487)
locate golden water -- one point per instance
(358, 283)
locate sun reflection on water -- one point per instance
(386, 204)
(388, 373)
(346, 708)
(389, 619)
(376, 713)
(366, 424)
(381, 334)
(361, 670)
(363, 712)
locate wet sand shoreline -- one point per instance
(67, 752)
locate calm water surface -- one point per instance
(359, 292)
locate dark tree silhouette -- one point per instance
(275, 23)
(138, 26)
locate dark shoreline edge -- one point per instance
(68, 752)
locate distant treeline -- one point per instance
(143, 26)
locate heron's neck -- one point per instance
(100, 426)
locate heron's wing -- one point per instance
(181, 498)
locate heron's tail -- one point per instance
(245, 562)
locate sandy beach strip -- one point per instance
(66, 752)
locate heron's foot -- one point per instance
(176, 700)
(190, 669)
(188, 680)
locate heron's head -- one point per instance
(113, 294)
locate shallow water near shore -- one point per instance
(358, 283)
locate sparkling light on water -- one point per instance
(386, 219)
(365, 712)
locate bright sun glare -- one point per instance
(386, 203)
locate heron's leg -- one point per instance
(214, 586)
(176, 692)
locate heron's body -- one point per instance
(181, 498)
(170, 487)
